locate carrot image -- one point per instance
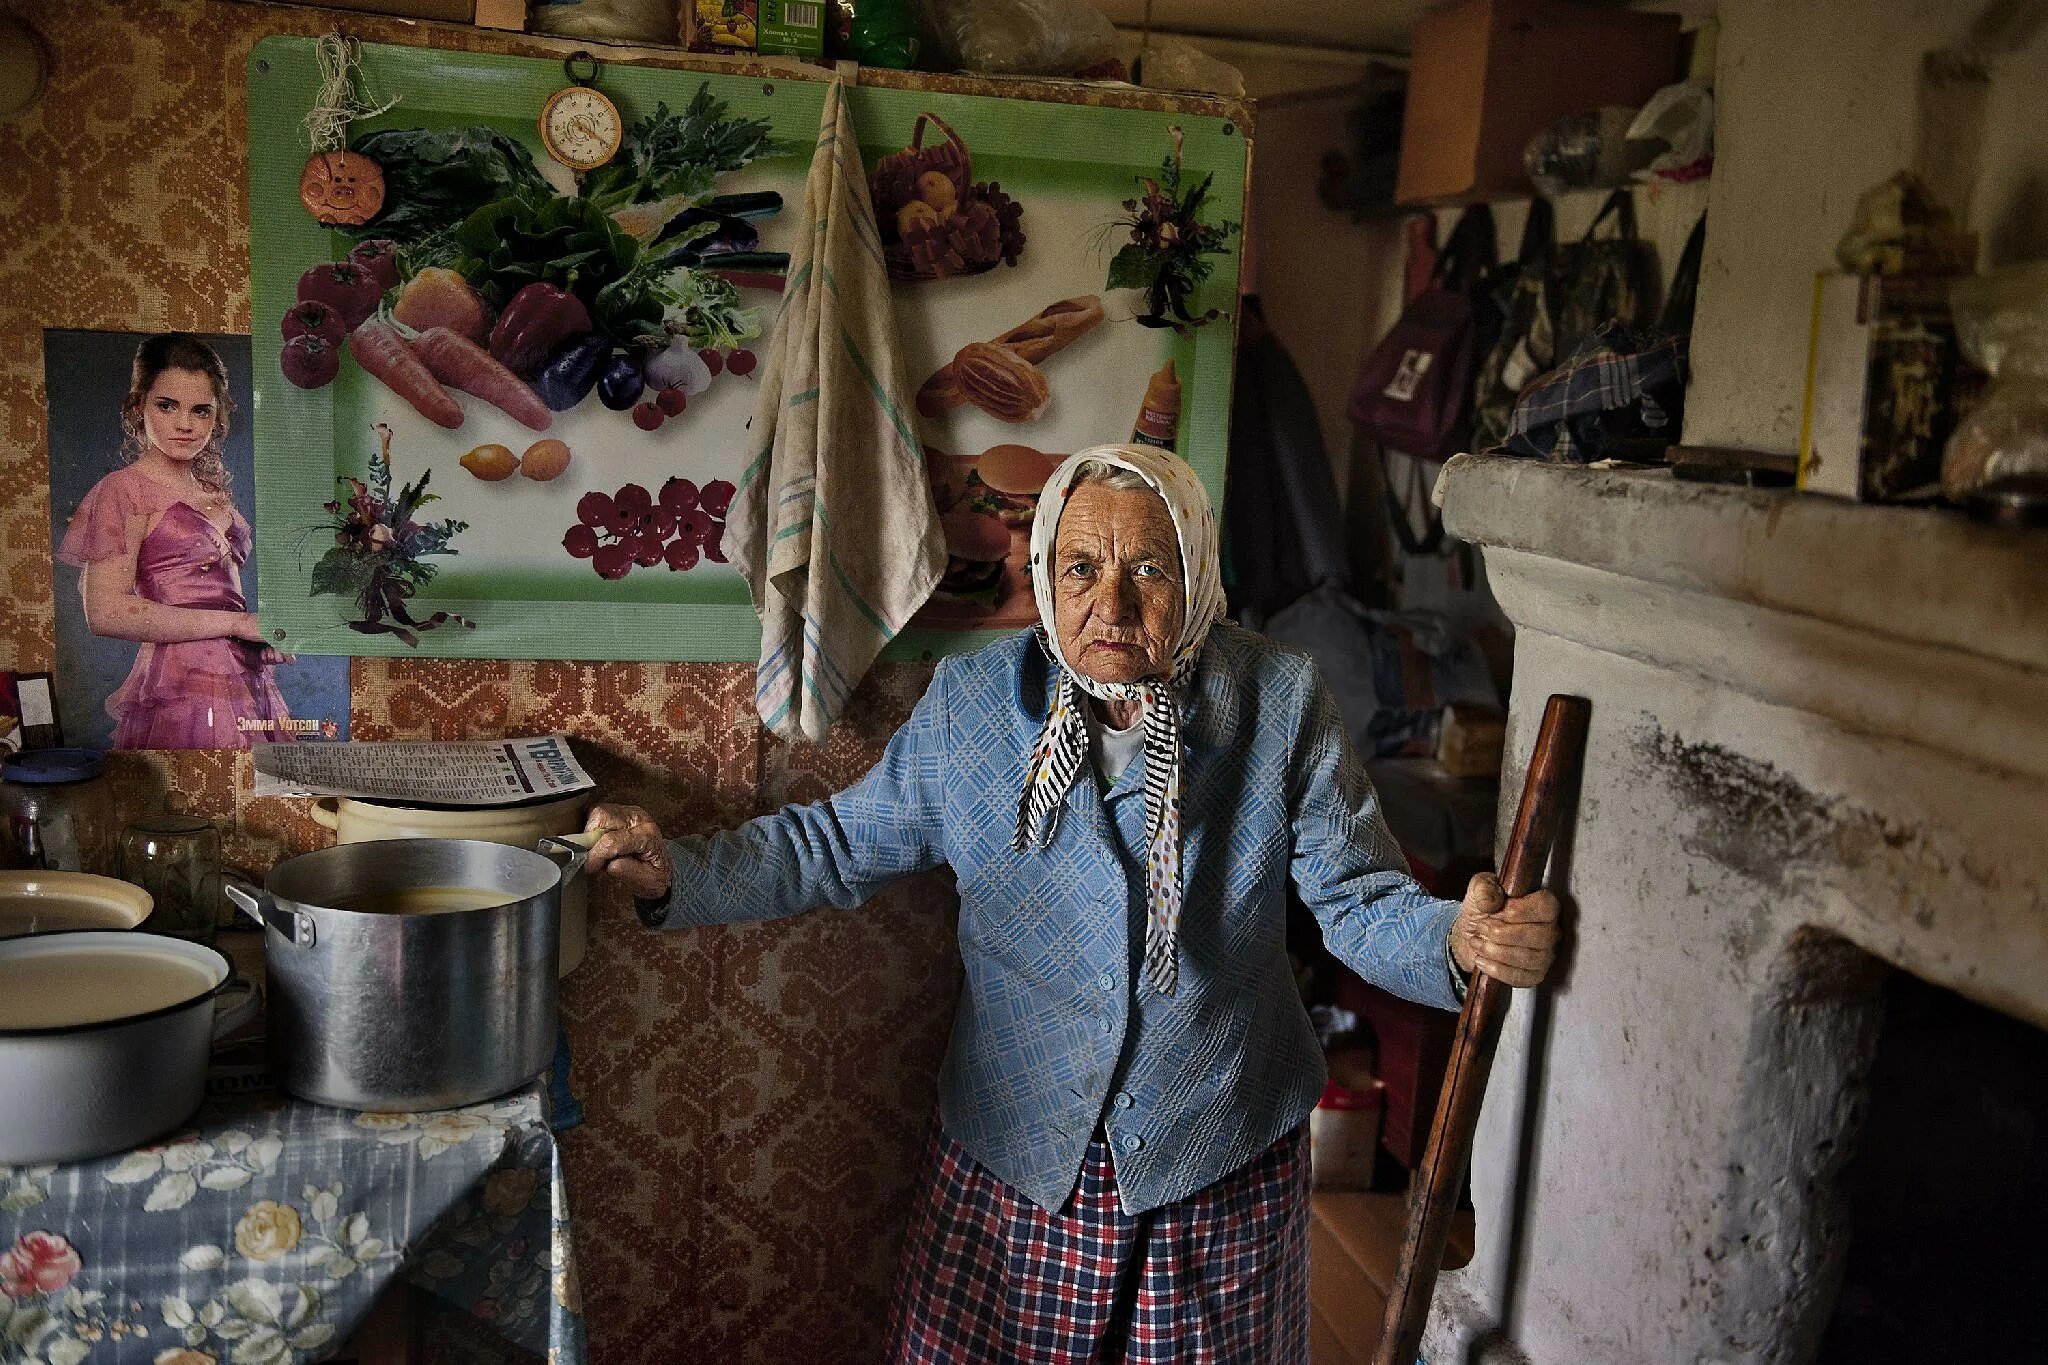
(379, 348)
(460, 363)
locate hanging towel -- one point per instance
(833, 528)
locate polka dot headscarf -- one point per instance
(1062, 746)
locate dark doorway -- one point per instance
(1948, 1190)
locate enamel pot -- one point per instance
(83, 1074)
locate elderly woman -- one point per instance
(1118, 1170)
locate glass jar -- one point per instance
(176, 859)
(58, 811)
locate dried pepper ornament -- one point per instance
(379, 550)
(1170, 250)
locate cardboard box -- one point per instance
(794, 28)
(450, 11)
(1885, 382)
(1485, 76)
(729, 27)
(506, 14)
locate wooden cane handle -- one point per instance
(1433, 1195)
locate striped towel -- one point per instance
(834, 527)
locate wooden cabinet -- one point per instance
(1485, 76)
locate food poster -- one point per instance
(152, 477)
(577, 510)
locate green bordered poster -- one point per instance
(1011, 239)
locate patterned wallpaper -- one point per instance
(756, 1096)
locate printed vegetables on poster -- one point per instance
(479, 278)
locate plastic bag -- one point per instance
(1585, 151)
(625, 21)
(1176, 64)
(1024, 37)
(1676, 131)
(2002, 325)
(876, 32)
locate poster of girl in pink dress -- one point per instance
(151, 467)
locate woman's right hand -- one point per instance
(630, 848)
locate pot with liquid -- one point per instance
(104, 1036)
(412, 974)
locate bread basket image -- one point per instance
(936, 221)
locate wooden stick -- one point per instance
(1434, 1194)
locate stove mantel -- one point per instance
(1819, 745)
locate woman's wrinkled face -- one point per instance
(1117, 587)
(179, 413)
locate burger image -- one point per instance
(987, 505)
(947, 475)
(1006, 483)
(977, 546)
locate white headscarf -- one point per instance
(1062, 746)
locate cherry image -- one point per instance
(716, 497)
(613, 561)
(679, 495)
(681, 554)
(580, 541)
(594, 509)
(741, 363)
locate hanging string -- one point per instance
(338, 104)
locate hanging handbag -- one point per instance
(1601, 279)
(1621, 394)
(1414, 391)
(1522, 347)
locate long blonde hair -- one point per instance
(179, 351)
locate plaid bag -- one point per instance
(1622, 392)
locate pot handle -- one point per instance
(327, 811)
(569, 850)
(294, 926)
(234, 1006)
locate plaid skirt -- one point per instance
(1218, 1277)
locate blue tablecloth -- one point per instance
(260, 1234)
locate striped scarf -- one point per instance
(1061, 749)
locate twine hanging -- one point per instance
(338, 103)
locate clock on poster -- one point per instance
(581, 128)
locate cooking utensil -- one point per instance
(46, 902)
(1560, 744)
(354, 820)
(402, 1012)
(77, 1090)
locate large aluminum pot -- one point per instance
(82, 1076)
(400, 1012)
(354, 820)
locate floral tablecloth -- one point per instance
(261, 1233)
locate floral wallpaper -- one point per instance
(756, 1096)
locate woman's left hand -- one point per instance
(631, 848)
(1511, 940)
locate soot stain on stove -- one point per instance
(1758, 821)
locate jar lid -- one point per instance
(53, 765)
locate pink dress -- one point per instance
(192, 694)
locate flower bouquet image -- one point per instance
(379, 553)
(936, 221)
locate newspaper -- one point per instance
(489, 772)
